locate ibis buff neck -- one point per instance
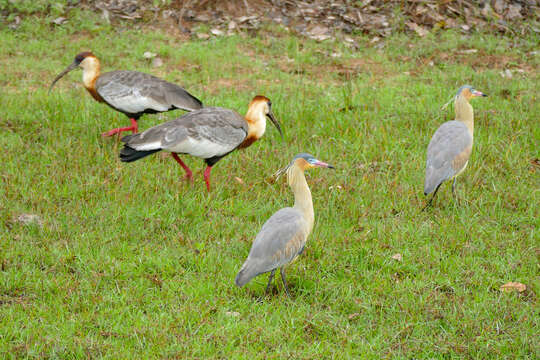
(91, 70)
(464, 112)
(302, 194)
(256, 120)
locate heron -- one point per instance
(450, 147)
(209, 133)
(284, 235)
(132, 93)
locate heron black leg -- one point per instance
(270, 280)
(284, 282)
(454, 191)
(431, 200)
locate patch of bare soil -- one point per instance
(480, 60)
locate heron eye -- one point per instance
(269, 103)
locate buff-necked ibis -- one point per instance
(209, 133)
(130, 92)
(450, 147)
(283, 236)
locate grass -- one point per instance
(131, 262)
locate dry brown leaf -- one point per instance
(29, 219)
(513, 286)
(319, 33)
(59, 21)
(418, 29)
(397, 257)
(157, 62)
(506, 74)
(149, 55)
(202, 18)
(499, 6)
(15, 24)
(239, 180)
(469, 51)
(318, 30)
(514, 12)
(353, 316)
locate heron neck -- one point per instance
(464, 112)
(302, 194)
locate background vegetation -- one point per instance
(129, 261)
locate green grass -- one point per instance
(131, 262)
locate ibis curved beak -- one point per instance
(322, 164)
(275, 122)
(66, 70)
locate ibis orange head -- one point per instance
(79, 61)
(263, 104)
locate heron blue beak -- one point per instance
(478, 93)
(72, 66)
(322, 164)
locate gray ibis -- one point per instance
(209, 133)
(283, 236)
(450, 147)
(130, 92)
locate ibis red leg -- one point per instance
(133, 128)
(207, 177)
(189, 174)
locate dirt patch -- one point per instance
(479, 60)
(16, 296)
(337, 72)
(217, 86)
(352, 67)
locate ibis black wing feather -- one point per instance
(135, 93)
(205, 133)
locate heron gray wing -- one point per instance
(204, 133)
(135, 92)
(280, 240)
(447, 154)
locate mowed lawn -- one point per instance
(129, 261)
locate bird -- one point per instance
(209, 133)
(130, 92)
(450, 147)
(283, 236)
